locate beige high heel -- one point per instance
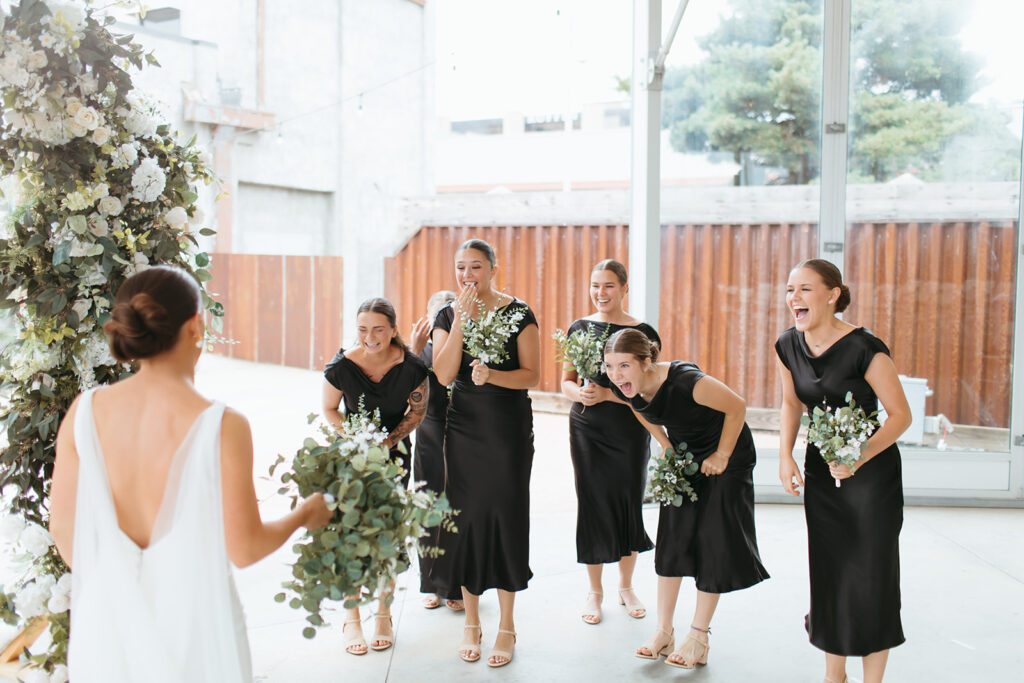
(594, 614)
(358, 641)
(653, 648)
(501, 653)
(694, 649)
(471, 653)
(636, 612)
(388, 640)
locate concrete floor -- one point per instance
(963, 585)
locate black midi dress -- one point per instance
(390, 395)
(488, 452)
(852, 531)
(610, 450)
(712, 540)
(428, 465)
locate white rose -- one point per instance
(176, 217)
(59, 675)
(36, 60)
(11, 527)
(100, 190)
(77, 130)
(140, 124)
(205, 159)
(197, 217)
(58, 603)
(31, 600)
(110, 206)
(148, 180)
(88, 84)
(64, 584)
(124, 156)
(100, 135)
(72, 105)
(99, 226)
(81, 308)
(35, 540)
(87, 117)
(139, 263)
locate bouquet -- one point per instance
(485, 336)
(375, 517)
(669, 481)
(582, 349)
(839, 433)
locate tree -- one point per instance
(757, 92)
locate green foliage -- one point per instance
(839, 433)
(484, 336)
(375, 518)
(582, 349)
(669, 476)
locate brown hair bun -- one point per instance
(150, 310)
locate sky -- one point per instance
(550, 56)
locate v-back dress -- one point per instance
(712, 540)
(488, 451)
(610, 450)
(390, 395)
(428, 464)
(853, 531)
(168, 612)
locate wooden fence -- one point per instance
(941, 295)
(280, 309)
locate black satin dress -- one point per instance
(853, 532)
(390, 395)
(712, 540)
(488, 452)
(428, 464)
(610, 450)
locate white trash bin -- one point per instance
(916, 390)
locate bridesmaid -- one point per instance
(712, 540)
(387, 377)
(610, 450)
(488, 447)
(428, 465)
(852, 531)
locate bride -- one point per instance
(152, 495)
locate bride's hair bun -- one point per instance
(151, 308)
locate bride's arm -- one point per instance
(64, 487)
(250, 539)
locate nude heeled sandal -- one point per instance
(358, 641)
(389, 640)
(471, 653)
(652, 647)
(642, 611)
(594, 614)
(501, 653)
(694, 649)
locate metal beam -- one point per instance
(645, 174)
(659, 64)
(835, 100)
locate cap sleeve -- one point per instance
(783, 346)
(870, 346)
(443, 319)
(686, 375)
(417, 369)
(528, 318)
(578, 324)
(335, 369)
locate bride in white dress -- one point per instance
(152, 496)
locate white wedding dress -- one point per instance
(169, 612)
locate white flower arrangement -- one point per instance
(485, 336)
(839, 433)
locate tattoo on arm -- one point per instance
(413, 417)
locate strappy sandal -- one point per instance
(593, 614)
(387, 639)
(471, 653)
(501, 653)
(694, 649)
(359, 641)
(652, 645)
(431, 602)
(636, 612)
(454, 605)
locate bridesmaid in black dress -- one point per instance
(488, 450)
(428, 465)
(388, 377)
(712, 540)
(852, 531)
(610, 450)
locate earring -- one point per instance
(199, 343)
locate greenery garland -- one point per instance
(103, 188)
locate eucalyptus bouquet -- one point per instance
(484, 337)
(583, 349)
(839, 433)
(669, 481)
(375, 517)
